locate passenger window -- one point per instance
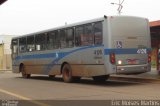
(52, 40)
(30, 43)
(40, 42)
(22, 45)
(87, 37)
(70, 37)
(62, 39)
(15, 46)
(57, 40)
(79, 32)
(98, 33)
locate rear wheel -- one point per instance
(67, 73)
(24, 73)
(102, 78)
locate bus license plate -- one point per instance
(132, 61)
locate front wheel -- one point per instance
(102, 78)
(67, 73)
(24, 73)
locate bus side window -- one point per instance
(70, 37)
(79, 32)
(87, 37)
(40, 42)
(15, 46)
(62, 39)
(22, 44)
(30, 44)
(56, 43)
(50, 40)
(98, 33)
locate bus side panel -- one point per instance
(109, 68)
(86, 62)
(44, 63)
(56, 70)
(28, 64)
(88, 70)
(41, 65)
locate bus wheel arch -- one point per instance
(63, 66)
(23, 71)
(20, 67)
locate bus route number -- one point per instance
(98, 52)
(142, 51)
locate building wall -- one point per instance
(1, 56)
(5, 53)
(155, 40)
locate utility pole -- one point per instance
(120, 6)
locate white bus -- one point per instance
(94, 48)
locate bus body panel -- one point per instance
(127, 37)
(85, 61)
(129, 40)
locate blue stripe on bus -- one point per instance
(54, 55)
(58, 56)
(122, 51)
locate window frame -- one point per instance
(25, 45)
(63, 43)
(78, 37)
(33, 44)
(15, 46)
(101, 33)
(70, 38)
(40, 42)
(55, 40)
(88, 37)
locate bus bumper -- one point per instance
(133, 69)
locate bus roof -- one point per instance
(62, 27)
(70, 25)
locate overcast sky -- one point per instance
(19, 17)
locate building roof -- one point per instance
(155, 23)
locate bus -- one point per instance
(95, 48)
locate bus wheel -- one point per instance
(102, 78)
(67, 73)
(24, 73)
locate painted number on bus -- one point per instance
(142, 51)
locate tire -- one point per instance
(67, 73)
(102, 78)
(24, 73)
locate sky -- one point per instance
(19, 17)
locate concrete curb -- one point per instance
(5, 71)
